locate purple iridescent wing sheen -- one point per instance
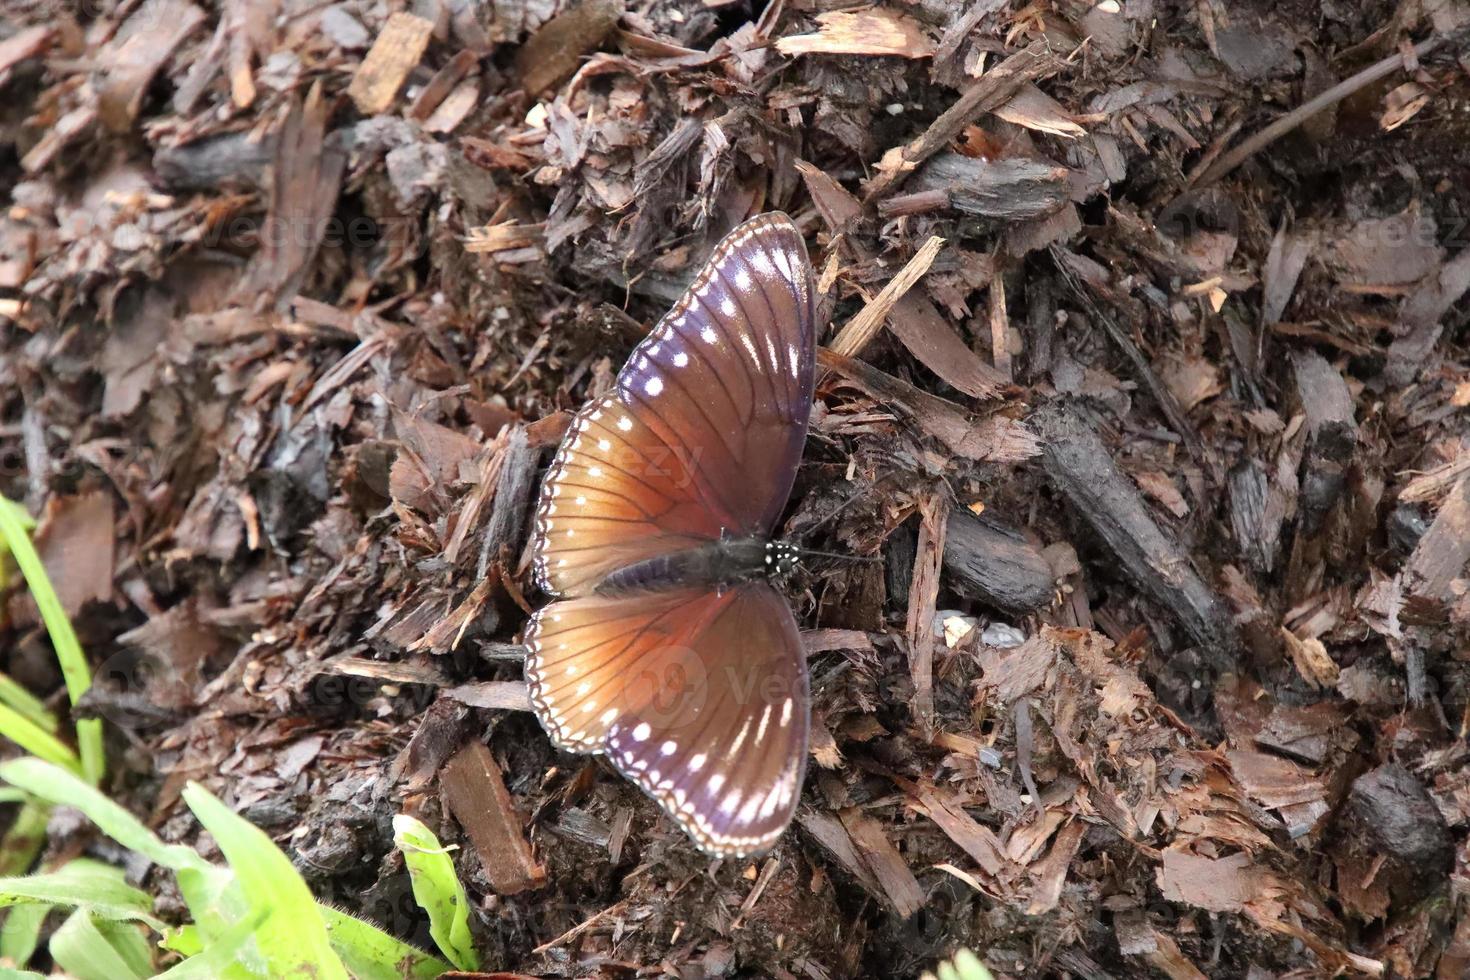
(700, 697)
(697, 694)
(702, 435)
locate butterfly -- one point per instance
(666, 648)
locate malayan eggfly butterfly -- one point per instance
(666, 647)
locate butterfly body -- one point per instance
(665, 647)
(718, 564)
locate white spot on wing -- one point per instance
(641, 732)
(653, 385)
(727, 306)
(786, 713)
(669, 747)
(708, 335)
(681, 359)
(742, 279)
(626, 423)
(697, 763)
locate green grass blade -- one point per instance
(74, 669)
(36, 740)
(17, 697)
(8, 973)
(20, 933)
(220, 956)
(24, 840)
(437, 889)
(82, 949)
(83, 888)
(293, 938)
(64, 788)
(371, 954)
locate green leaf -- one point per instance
(203, 885)
(36, 740)
(20, 933)
(24, 840)
(372, 954)
(80, 885)
(14, 522)
(7, 973)
(83, 950)
(65, 789)
(438, 890)
(221, 955)
(17, 697)
(293, 938)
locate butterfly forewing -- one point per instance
(696, 690)
(726, 377)
(700, 697)
(616, 494)
(703, 432)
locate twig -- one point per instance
(1311, 107)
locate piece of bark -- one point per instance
(900, 889)
(923, 595)
(976, 839)
(76, 544)
(306, 177)
(23, 45)
(1257, 512)
(557, 47)
(128, 62)
(444, 81)
(993, 89)
(1051, 871)
(1440, 556)
(475, 791)
(1078, 272)
(206, 164)
(994, 565)
(509, 516)
(874, 31)
(996, 438)
(1331, 436)
(493, 695)
(395, 53)
(912, 318)
(1081, 467)
(829, 832)
(440, 733)
(1391, 818)
(1008, 189)
(861, 329)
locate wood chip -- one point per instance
(861, 329)
(494, 695)
(557, 47)
(923, 596)
(395, 53)
(900, 889)
(475, 791)
(875, 31)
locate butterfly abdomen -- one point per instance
(718, 563)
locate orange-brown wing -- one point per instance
(699, 697)
(703, 432)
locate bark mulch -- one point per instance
(1147, 381)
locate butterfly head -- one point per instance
(781, 558)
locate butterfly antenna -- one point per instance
(809, 553)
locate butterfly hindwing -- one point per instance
(698, 696)
(696, 690)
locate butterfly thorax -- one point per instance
(718, 564)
